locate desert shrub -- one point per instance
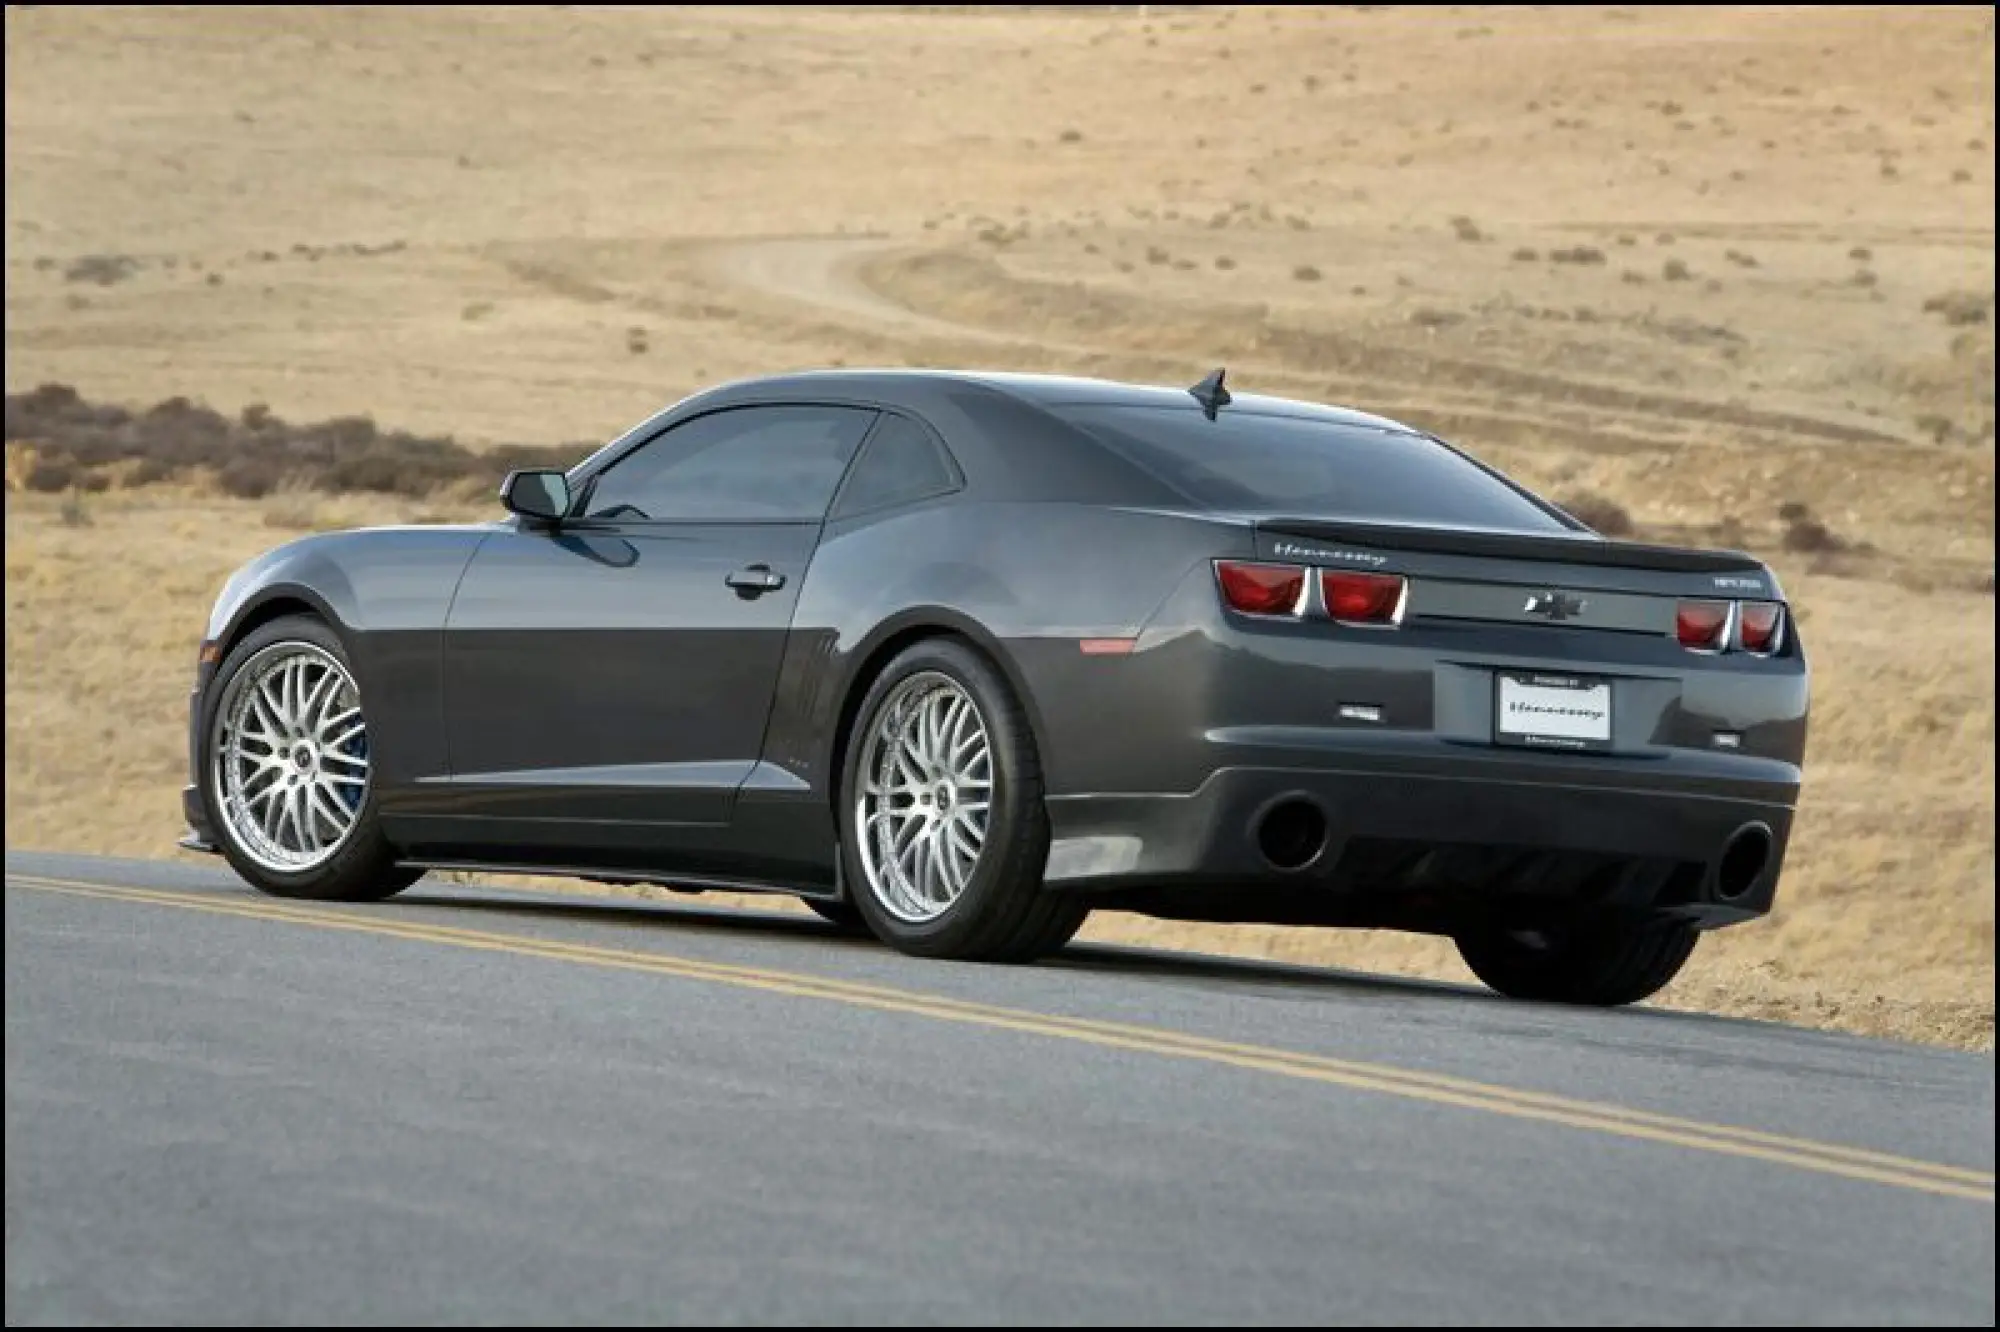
(79, 443)
(1577, 254)
(379, 473)
(1466, 229)
(103, 269)
(149, 472)
(50, 477)
(1810, 534)
(1604, 516)
(1306, 273)
(1527, 254)
(1939, 428)
(1959, 308)
(249, 478)
(1675, 270)
(509, 457)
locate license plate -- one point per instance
(1552, 711)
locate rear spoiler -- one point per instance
(1579, 548)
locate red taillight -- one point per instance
(1760, 621)
(1361, 598)
(1261, 589)
(1701, 625)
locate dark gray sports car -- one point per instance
(961, 657)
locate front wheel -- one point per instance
(286, 769)
(942, 823)
(1603, 962)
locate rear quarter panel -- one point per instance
(1023, 580)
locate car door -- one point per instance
(618, 668)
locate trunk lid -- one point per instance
(1571, 580)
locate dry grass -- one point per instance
(486, 233)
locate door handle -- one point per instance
(755, 581)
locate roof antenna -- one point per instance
(1210, 394)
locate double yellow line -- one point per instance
(1592, 1116)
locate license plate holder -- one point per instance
(1551, 710)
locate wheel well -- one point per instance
(276, 608)
(872, 666)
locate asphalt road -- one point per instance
(463, 1106)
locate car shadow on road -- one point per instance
(1121, 959)
(1262, 976)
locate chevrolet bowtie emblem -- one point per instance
(1555, 605)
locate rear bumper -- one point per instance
(1424, 850)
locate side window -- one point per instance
(743, 464)
(901, 463)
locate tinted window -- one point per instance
(901, 463)
(770, 464)
(1312, 468)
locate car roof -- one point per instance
(1045, 391)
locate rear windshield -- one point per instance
(1312, 468)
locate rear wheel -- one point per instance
(943, 828)
(286, 769)
(1605, 962)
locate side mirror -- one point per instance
(538, 494)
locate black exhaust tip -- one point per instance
(1745, 856)
(1291, 834)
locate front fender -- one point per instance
(386, 592)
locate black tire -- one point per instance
(1602, 962)
(842, 914)
(364, 869)
(1004, 914)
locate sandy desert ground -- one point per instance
(1728, 271)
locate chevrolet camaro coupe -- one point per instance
(958, 658)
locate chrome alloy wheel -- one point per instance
(290, 756)
(925, 798)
